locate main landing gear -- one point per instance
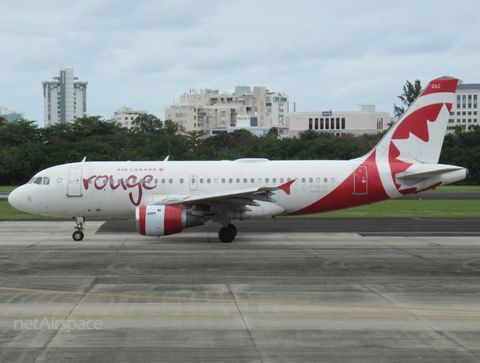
(78, 234)
(227, 234)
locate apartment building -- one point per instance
(465, 110)
(64, 99)
(126, 115)
(11, 115)
(207, 109)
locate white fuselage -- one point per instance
(110, 189)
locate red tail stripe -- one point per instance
(441, 85)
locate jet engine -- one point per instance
(162, 220)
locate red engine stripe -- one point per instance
(141, 216)
(173, 220)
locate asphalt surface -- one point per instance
(266, 297)
(362, 226)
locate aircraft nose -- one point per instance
(14, 198)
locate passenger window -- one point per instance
(267, 180)
(259, 180)
(245, 180)
(181, 181)
(170, 181)
(209, 180)
(163, 181)
(319, 180)
(252, 180)
(303, 180)
(274, 180)
(238, 180)
(281, 180)
(223, 180)
(201, 180)
(310, 180)
(325, 180)
(216, 180)
(230, 180)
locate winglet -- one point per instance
(286, 187)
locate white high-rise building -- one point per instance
(64, 99)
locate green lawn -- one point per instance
(409, 209)
(387, 209)
(457, 188)
(7, 212)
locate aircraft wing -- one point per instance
(240, 196)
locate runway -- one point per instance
(362, 226)
(267, 297)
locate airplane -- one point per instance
(167, 196)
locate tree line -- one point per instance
(26, 148)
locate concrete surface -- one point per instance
(267, 297)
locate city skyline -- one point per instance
(323, 55)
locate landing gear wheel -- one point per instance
(77, 236)
(233, 227)
(226, 234)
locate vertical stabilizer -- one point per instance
(418, 136)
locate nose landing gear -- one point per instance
(78, 234)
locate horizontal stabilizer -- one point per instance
(426, 174)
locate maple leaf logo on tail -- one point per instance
(418, 136)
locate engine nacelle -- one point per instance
(162, 220)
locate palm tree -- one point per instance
(410, 94)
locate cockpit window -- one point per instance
(39, 180)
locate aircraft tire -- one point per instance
(77, 236)
(233, 227)
(226, 235)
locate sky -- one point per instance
(145, 53)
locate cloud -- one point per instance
(146, 53)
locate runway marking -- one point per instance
(260, 302)
(270, 315)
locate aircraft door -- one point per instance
(193, 180)
(74, 186)
(360, 181)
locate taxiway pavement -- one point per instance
(266, 297)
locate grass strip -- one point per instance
(386, 209)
